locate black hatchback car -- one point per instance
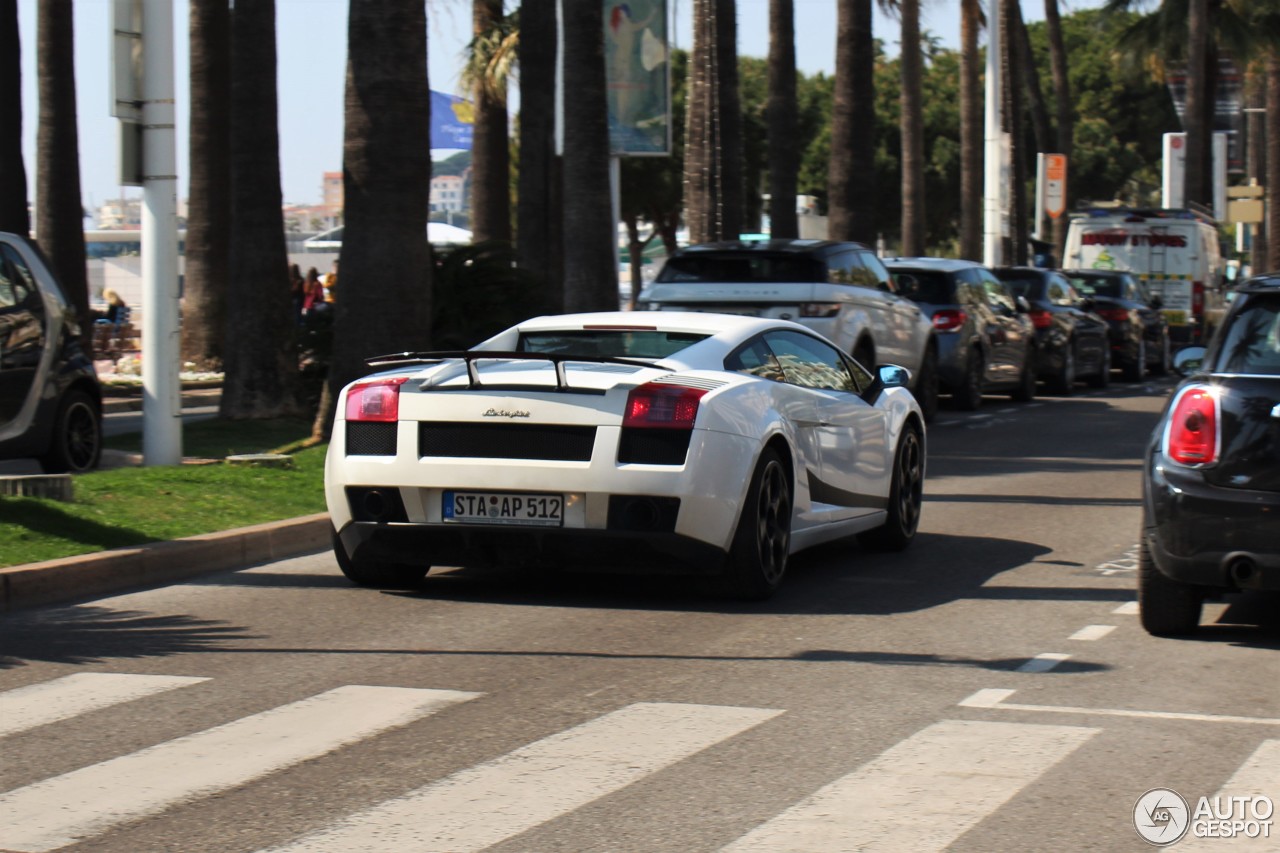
(1072, 342)
(1211, 484)
(50, 400)
(1139, 332)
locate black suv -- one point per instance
(50, 400)
(1211, 484)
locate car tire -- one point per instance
(968, 393)
(1026, 390)
(864, 355)
(76, 446)
(377, 574)
(1102, 378)
(1063, 382)
(1167, 608)
(1166, 357)
(926, 390)
(762, 542)
(1136, 370)
(906, 496)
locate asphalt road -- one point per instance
(988, 690)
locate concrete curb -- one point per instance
(55, 581)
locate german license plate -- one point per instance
(536, 510)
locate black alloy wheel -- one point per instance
(1026, 390)
(1063, 382)
(1102, 378)
(1135, 370)
(926, 391)
(76, 445)
(906, 496)
(1165, 361)
(968, 394)
(761, 544)
(1167, 608)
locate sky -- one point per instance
(311, 57)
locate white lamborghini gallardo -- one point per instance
(700, 442)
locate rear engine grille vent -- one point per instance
(507, 441)
(654, 446)
(371, 439)
(705, 383)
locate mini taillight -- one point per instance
(1041, 319)
(662, 406)
(1115, 315)
(819, 309)
(1197, 297)
(1192, 435)
(378, 400)
(948, 319)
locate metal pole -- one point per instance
(615, 198)
(992, 203)
(161, 398)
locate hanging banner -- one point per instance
(638, 74)
(452, 121)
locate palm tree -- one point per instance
(59, 210)
(1273, 158)
(13, 171)
(1065, 109)
(590, 234)
(1012, 124)
(780, 112)
(208, 243)
(261, 365)
(490, 154)
(851, 172)
(971, 131)
(1198, 184)
(912, 124)
(713, 143)
(384, 294)
(538, 205)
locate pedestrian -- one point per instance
(313, 294)
(331, 283)
(297, 291)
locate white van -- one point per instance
(1176, 254)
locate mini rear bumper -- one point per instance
(1211, 536)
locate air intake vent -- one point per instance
(706, 384)
(507, 441)
(371, 438)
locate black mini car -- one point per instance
(1211, 484)
(50, 400)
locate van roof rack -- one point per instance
(1092, 209)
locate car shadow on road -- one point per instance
(1251, 620)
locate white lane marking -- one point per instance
(483, 805)
(1092, 632)
(1005, 411)
(69, 808)
(921, 794)
(63, 698)
(1129, 608)
(1260, 774)
(1043, 662)
(994, 698)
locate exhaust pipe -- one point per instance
(376, 504)
(1241, 568)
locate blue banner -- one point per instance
(452, 121)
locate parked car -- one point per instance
(840, 290)
(50, 400)
(1071, 341)
(695, 441)
(1139, 331)
(1211, 480)
(985, 338)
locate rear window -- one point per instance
(627, 343)
(1099, 286)
(1031, 288)
(935, 288)
(1251, 341)
(762, 268)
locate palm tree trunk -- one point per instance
(1065, 110)
(912, 124)
(851, 169)
(970, 133)
(384, 292)
(1198, 187)
(1273, 158)
(14, 217)
(590, 234)
(729, 115)
(490, 152)
(1030, 75)
(208, 244)
(260, 360)
(59, 209)
(780, 114)
(1013, 126)
(538, 209)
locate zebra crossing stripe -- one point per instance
(923, 793)
(1259, 775)
(63, 698)
(485, 804)
(65, 809)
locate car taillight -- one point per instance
(819, 309)
(662, 406)
(1191, 437)
(1115, 315)
(948, 319)
(1041, 319)
(1197, 297)
(378, 400)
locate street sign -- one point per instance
(1055, 184)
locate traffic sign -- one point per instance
(1055, 184)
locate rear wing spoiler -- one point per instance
(470, 357)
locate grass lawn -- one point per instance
(131, 506)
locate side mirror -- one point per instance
(1188, 361)
(893, 376)
(1024, 307)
